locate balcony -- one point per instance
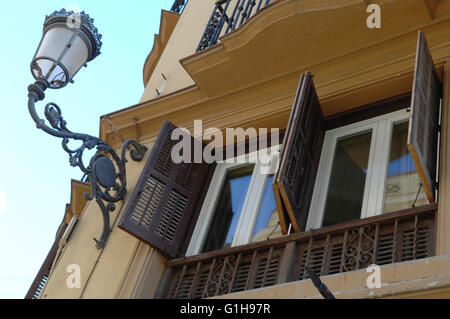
(227, 16)
(178, 6)
(390, 238)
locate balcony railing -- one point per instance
(178, 6)
(385, 239)
(227, 16)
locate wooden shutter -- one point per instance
(302, 144)
(424, 117)
(163, 204)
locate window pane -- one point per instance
(403, 182)
(267, 225)
(348, 177)
(228, 208)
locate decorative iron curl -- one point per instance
(106, 170)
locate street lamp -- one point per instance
(69, 41)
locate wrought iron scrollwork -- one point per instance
(359, 251)
(221, 277)
(106, 170)
(178, 6)
(229, 13)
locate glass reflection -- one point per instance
(348, 177)
(267, 225)
(403, 182)
(228, 209)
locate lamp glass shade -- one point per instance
(69, 41)
(60, 55)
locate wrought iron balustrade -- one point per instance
(227, 16)
(385, 239)
(178, 6)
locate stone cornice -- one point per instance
(167, 25)
(77, 201)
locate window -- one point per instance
(346, 186)
(239, 206)
(229, 207)
(402, 181)
(267, 221)
(365, 170)
(318, 177)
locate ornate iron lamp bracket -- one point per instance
(106, 170)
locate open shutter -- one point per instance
(294, 181)
(163, 204)
(424, 117)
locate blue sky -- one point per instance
(35, 173)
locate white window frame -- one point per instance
(244, 229)
(374, 190)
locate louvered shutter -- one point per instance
(294, 181)
(424, 117)
(163, 204)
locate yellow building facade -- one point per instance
(249, 78)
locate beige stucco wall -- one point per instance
(113, 271)
(182, 43)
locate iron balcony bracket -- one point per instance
(106, 170)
